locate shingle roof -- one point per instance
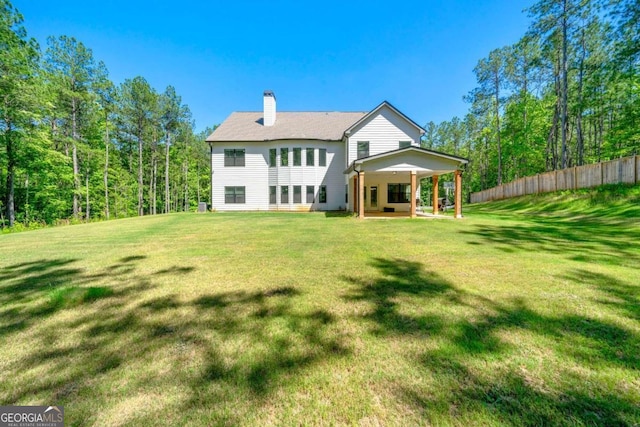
(247, 126)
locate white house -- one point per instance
(300, 161)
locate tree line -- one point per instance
(566, 94)
(76, 147)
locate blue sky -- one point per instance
(316, 56)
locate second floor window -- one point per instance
(310, 157)
(234, 157)
(284, 157)
(363, 149)
(322, 157)
(297, 157)
(272, 157)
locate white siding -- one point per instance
(257, 176)
(384, 131)
(252, 176)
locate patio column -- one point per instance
(360, 194)
(354, 207)
(413, 194)
(435, 194)
(458, 195)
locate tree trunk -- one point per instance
(155, 183)
(198, 183)
(140, 181)
(579, 136)
(76, 181)
(88, 205)
(154, 178)
(186, 186)
(74, 155)
(497, 89)
(564, 88)
(106, 167)
(167, 206)
(551, 159)
(11, 163)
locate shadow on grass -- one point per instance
(475, 335)
(586, 241)
(220, 355)
(512, 399)
(32, 291)
(400, 278)
(218, 345)
(616, 294)
(338, 214)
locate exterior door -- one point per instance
(374, 197)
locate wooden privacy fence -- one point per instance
(623, 170)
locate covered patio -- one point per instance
(388, 183)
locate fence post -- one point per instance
(575, 177)
(555, 180)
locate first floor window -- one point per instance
(297, 194)
(234, 194)
(234, 157)
(310, 157)
(272, 157)
(284, 194)
(272, 194)
(322, 196)
(310, 193)
(399, 193)
(322, 157)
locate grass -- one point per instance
(527, 312)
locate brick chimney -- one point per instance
(269, 104)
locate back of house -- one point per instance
(304, 161)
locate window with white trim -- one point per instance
(234, 195)
(234, 157)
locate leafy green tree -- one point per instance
(488, 96)
(18, 94)
(72, 72)
(173, 113)
(138, 100)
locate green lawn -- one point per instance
(526, 312)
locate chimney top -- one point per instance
(269, 103)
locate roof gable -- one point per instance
(370, 115)
(429, 159)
